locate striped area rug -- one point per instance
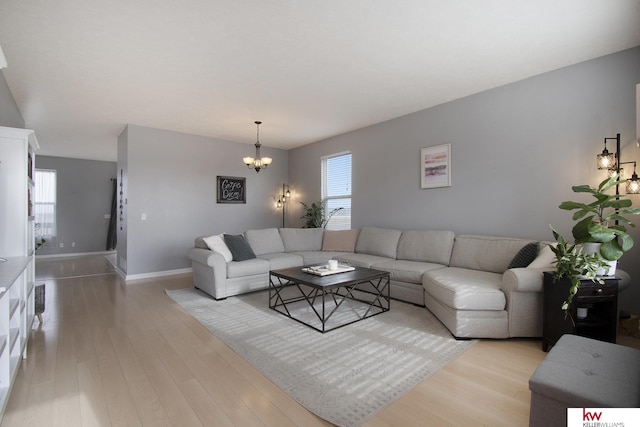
(344, 376)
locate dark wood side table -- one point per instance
(601, 322)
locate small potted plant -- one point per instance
(602, 221)
(39, 240)
(574, 265)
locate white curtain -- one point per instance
(45, 203)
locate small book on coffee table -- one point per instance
(323, 270)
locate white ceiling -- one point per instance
(309, 69)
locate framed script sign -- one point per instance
(435, 166)
(231, 189)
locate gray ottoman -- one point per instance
(581, 372)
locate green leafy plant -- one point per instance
(572, 264)
(597, 220)
(39, 243)
(314, 215)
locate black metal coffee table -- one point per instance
(325, 303)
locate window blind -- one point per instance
(336, 190)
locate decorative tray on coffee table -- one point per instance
(323, 270)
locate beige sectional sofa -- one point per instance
(478, 295)
(464, 280)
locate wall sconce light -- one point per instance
(257, 162)
(282, 200)
(611, 161)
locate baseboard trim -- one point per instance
(155, 274)
(76, 254)
(120, 273)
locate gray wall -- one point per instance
(84, 191)
(10, 115)
(171, 177)
(516, 152)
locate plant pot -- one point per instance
(594, 248)
(611, 271)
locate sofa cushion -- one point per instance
(199, 243)
(282, 260)
(464, 289)
(216, 243)
(247, 268)
(301, 239)
(316, 257)
(406, 271)
(545, 258)
(265, 241)
(525, 256)
(360, 260)
(426, 245)
(340, 240)
(485, 253)
(378, 241)
(239, 247)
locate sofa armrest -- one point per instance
(207, 257)
(209, 271)
(523, 280)
(523, 288)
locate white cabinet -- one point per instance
(16, 318)
(17, 263)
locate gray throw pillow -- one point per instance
(525, 256)
(239, 247)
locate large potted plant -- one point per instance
(314, 215)
(603, 221)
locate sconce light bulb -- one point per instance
(248, 160)
(606, 160)
(633, 184)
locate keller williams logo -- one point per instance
(590, 416)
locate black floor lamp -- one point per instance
(282, 201)
(611, 161)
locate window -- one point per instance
(336, 190)
(45, 203)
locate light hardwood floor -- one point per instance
(110, 353)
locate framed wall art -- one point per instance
(231, 189)
(435, 166)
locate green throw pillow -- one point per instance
(239, 247)
(525, 256)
